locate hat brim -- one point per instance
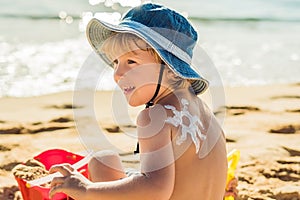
(98, 31)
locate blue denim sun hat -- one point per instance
(166, 31)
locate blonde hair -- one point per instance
(120, 43)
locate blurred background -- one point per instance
(43, 44)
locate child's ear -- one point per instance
(170, 74)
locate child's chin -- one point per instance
(134, 103)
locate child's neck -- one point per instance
(167, 92)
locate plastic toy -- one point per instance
(49, 158)
(233, 159)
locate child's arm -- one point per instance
(156, 180)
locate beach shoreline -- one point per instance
(263, 122)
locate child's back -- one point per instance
(200, 175)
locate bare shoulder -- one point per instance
(153, 131)
(151, 116)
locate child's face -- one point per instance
(136, 73)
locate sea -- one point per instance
(44, 50)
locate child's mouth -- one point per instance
(128, 89)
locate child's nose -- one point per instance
(120, 70)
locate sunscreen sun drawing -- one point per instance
(192, 128)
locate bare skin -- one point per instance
(187, 178)
(167, 170)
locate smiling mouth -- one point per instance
(128, 89)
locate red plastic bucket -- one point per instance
(49, 158)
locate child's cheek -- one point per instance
(144, 75)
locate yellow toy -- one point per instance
(233, 158)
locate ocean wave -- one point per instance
(243, 19)
(36, 17)
(195, 18)
(200, 10)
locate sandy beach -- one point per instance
(263, 122)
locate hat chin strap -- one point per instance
(151, 102)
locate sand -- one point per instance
(263, 122)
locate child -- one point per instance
(182, 147)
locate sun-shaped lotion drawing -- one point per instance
(192, 128)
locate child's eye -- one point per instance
(131, 62)
(115, 62)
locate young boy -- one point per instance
(182, 147)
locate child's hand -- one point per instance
(231, 189)
(72, 183)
